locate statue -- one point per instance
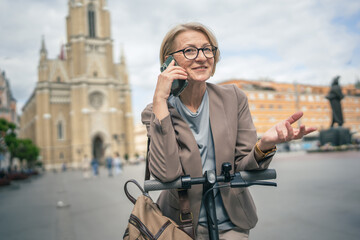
(335, 95)
(340, 135)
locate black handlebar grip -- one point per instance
(254, 175)
(155, 185)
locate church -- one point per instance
(81, 104)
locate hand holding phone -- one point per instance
(178, 85)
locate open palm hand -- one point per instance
(284, 132)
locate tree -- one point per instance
(11, 141)
(8, 140)
(26, 150)
(3, 129)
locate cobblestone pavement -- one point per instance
(317, 197)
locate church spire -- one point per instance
(122, 55)
(122, 67)
(62, 55)
(43, 51)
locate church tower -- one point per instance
(90, 50)
(82, 101)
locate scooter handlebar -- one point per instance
(248, 176)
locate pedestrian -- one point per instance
(109, 165)
(205, 126)
(117, 163)
(86, 167)
(63, 167)
(95, 166)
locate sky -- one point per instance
(307, 41)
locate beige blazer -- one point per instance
(173, 152)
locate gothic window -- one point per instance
(91, 20)
(58, 79)
(60, 130)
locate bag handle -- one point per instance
(147, 171)
(147, 177)
(131, 198)
(186, 216)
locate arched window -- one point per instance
(60, 130)
(91, 20)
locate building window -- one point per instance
(91, 20)
(60, 130)
(252, 96)
(58, 79)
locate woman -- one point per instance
(117, 163)
(204, 127)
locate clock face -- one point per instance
(96, 99)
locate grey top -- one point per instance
(199, 123)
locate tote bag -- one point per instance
(146, 220)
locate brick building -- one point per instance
(271, 102)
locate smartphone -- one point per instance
(178, 85)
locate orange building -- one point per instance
(271, 102)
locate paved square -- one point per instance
(318, 197)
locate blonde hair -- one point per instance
(167, 45)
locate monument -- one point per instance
(336, 136)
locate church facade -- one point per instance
(81, 104)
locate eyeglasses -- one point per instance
(192, 52)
